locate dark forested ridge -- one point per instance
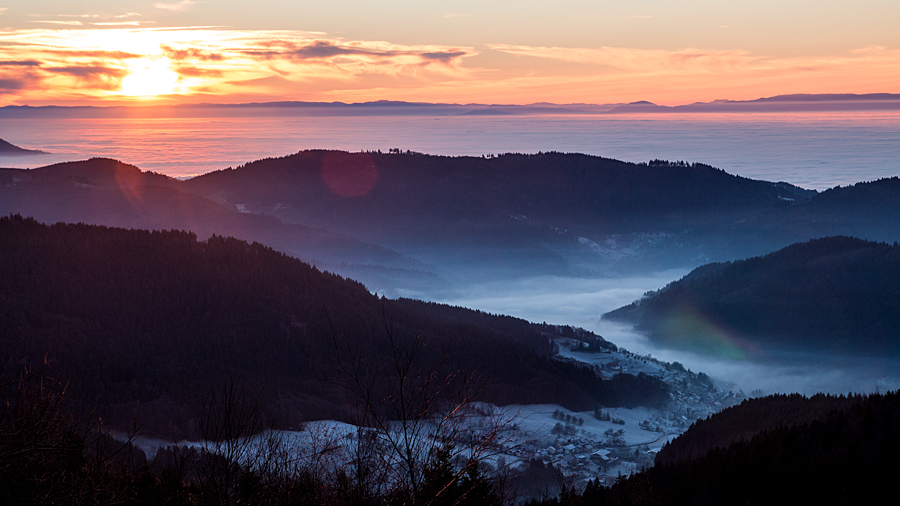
(831, 294)
(451, 212)
(441, 195)
(157, 320)
(416, 223)
(108, 192)
(776, 450)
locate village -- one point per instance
(541, 448)
(609, 442)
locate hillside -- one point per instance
(7, 148)
(414, 224)
(108, 192)
(819, 450)
(547, 213)
(580, 192)
(422, 223)
(836, 294)
(155, 321)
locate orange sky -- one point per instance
(102, 52)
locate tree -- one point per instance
(229, 419)
(423, 417)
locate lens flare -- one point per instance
(688, 329)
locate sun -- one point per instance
(149, 78)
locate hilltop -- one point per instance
(836, 294)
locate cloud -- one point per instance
(92, 77)
(3, 9)
(325, 49)
(443, 56)
(49, 65)
(121, 23)
(19, 63)
(57, 22)
(198, 72)
(70, 54)
(11, 84)
(215, 61)
(97, 72)
(189, 53)
(178, 6)
(638, 60)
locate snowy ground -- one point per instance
(582, 445)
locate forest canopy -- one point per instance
(154, 321)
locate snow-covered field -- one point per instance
(600, 444)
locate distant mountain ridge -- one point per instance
(778, 103)
(835, 294)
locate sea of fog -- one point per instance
(582, 302)
(813, 150)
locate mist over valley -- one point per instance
(579, 316)
(549, 237)
(449, 254)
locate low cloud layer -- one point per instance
(581, 302)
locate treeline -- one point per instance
(751, 417)
(152, 322)
(50, 454)
(830, 294)
(777, 450)
(426, 193)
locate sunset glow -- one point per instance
(150, 78)
(170, 52)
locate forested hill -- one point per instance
(424, 193)
(824, 295)
(790, 450)
(155, 321)
(750, 418)
(410, 223)
(102, 191)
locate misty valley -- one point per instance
(394, 327)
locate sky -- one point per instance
(113, 52)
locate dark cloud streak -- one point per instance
(444, 57)
(189, 54)
(22, 63)
(322, 49)
(325, 50)
(197, 72)
(111, 55)
(89, 72)
(11, 84)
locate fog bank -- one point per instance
(581, 302)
